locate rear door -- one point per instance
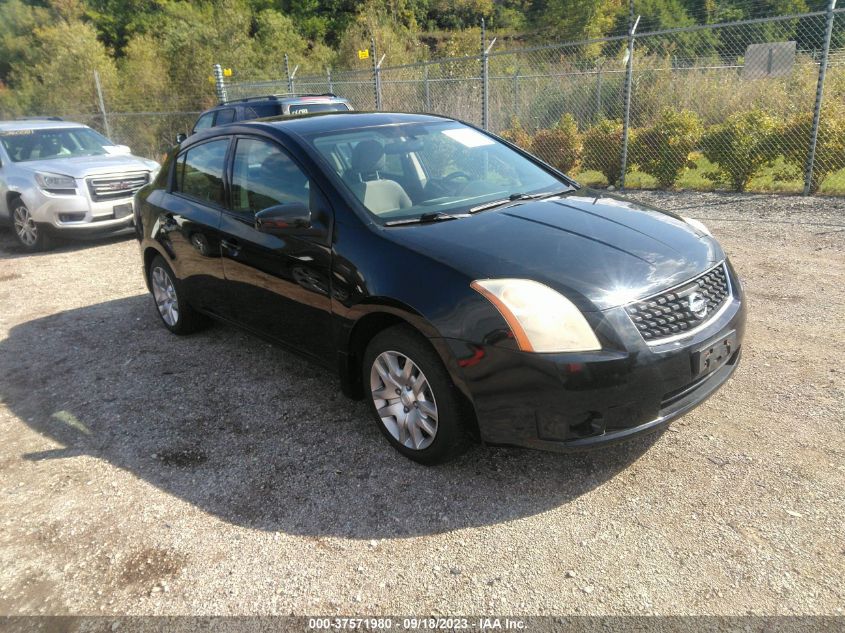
(189, 218)
(277, 284)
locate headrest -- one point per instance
(367, 157)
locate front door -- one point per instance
(277, 284)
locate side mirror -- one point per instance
(181, 137)
(281, 218)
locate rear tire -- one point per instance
(412, 397)
(31, 236)
(168, 294)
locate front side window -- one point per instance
(199, 172)
(204, 122)
(264, 175)
(40, 144)
(405, 171)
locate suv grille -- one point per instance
(671, 312)
(113, 187)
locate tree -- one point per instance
(662, 149)
(741, 145)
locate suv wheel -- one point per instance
(29, 234)
(412, 397)
(175, 312)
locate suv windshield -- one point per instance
(430, 170)
(41, 144)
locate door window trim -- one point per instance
(226, 162)
(249, 218)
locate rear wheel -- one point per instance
(412, 397)
(175, 312)
(29, 234)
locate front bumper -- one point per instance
(77, 214)
(564, 402)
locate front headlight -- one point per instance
(542, 319)
(697, 224)
(54, 182)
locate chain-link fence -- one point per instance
(725, 106)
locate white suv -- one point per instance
(62, 177)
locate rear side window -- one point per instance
(199, 172)
(306, 108)
(225, 116)
(261, 110)
(204, 121)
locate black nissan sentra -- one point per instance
(464, 288)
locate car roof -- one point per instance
(36, 124)
(282, 99)
(340, 121)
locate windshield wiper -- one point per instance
(515, 197)
(432, 216)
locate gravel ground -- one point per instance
(143, 473)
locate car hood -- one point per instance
(600, 251)
(84, 166)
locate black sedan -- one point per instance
(464, 288)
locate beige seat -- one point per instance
(379, 195)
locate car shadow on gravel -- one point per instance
(10, 248)
(257, 436)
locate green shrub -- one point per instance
(603, 149)
(559, 146)
(741, 146)
(516, 134)
(794, 142)
(662, 150)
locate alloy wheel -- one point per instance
(25, 227)
(166, 299)
(404, 400)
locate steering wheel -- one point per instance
(456, 174)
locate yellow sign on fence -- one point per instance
(364, 53)
(227, 72)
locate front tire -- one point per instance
(412, 397)
(30, 235)
(176, 313)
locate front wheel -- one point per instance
(29, 234)
(412, 397)
(175, 312)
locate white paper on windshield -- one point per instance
(468, 137)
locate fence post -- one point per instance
(817, 112)
(629, 75)
(106, 126)
(427, 90)
(599, 67)
(376, 75)
(485, 76)
(219, 84)
(329, 77)
(516, 94)
(287, 74)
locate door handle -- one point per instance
(233, 246)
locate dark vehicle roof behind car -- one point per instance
(268, 106)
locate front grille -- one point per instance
(670, 313)
(114, 187)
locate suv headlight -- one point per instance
(542, 320)
(55, 183)
(698, 225)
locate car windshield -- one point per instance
(430, 170)
(41, 144)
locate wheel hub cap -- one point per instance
(165, 296)
(404, 400)
(25, 228)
